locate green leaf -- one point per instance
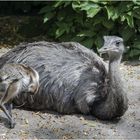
(45, 9)
(108, 24)
(123, 7)
(67, 3)
(85, 33)
(65, 37)
(137, 2)
(61, 16)
(88, 42)
(130, 21)
(93, 11)
(136, 13)
(48, 16)
(112, 12)
(59, 32)
(78, 38)
(63, 28)
(45, 19)
(123, 18)
(127, 33)
(76, 5)
(99, 41)
(58, 3)
(137, 44)
(98, 20)
(85, 5)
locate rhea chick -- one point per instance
(16, 79)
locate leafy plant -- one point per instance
(88, 21)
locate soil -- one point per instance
(17, 29)
(51, 125)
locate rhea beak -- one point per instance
(103, 50)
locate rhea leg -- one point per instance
(11, 92)
(9, 107)
(11, 121)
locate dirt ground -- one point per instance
(51, 125)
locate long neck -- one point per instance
(114, 74)
(116, 101)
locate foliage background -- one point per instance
(85, 21)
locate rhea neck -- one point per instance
(114, 71)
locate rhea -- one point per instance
(74, 79)
(16, 79)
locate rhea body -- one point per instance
(73, 79)
(16, 79)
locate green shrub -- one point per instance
(88, 21)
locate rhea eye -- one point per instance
(117, 43)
